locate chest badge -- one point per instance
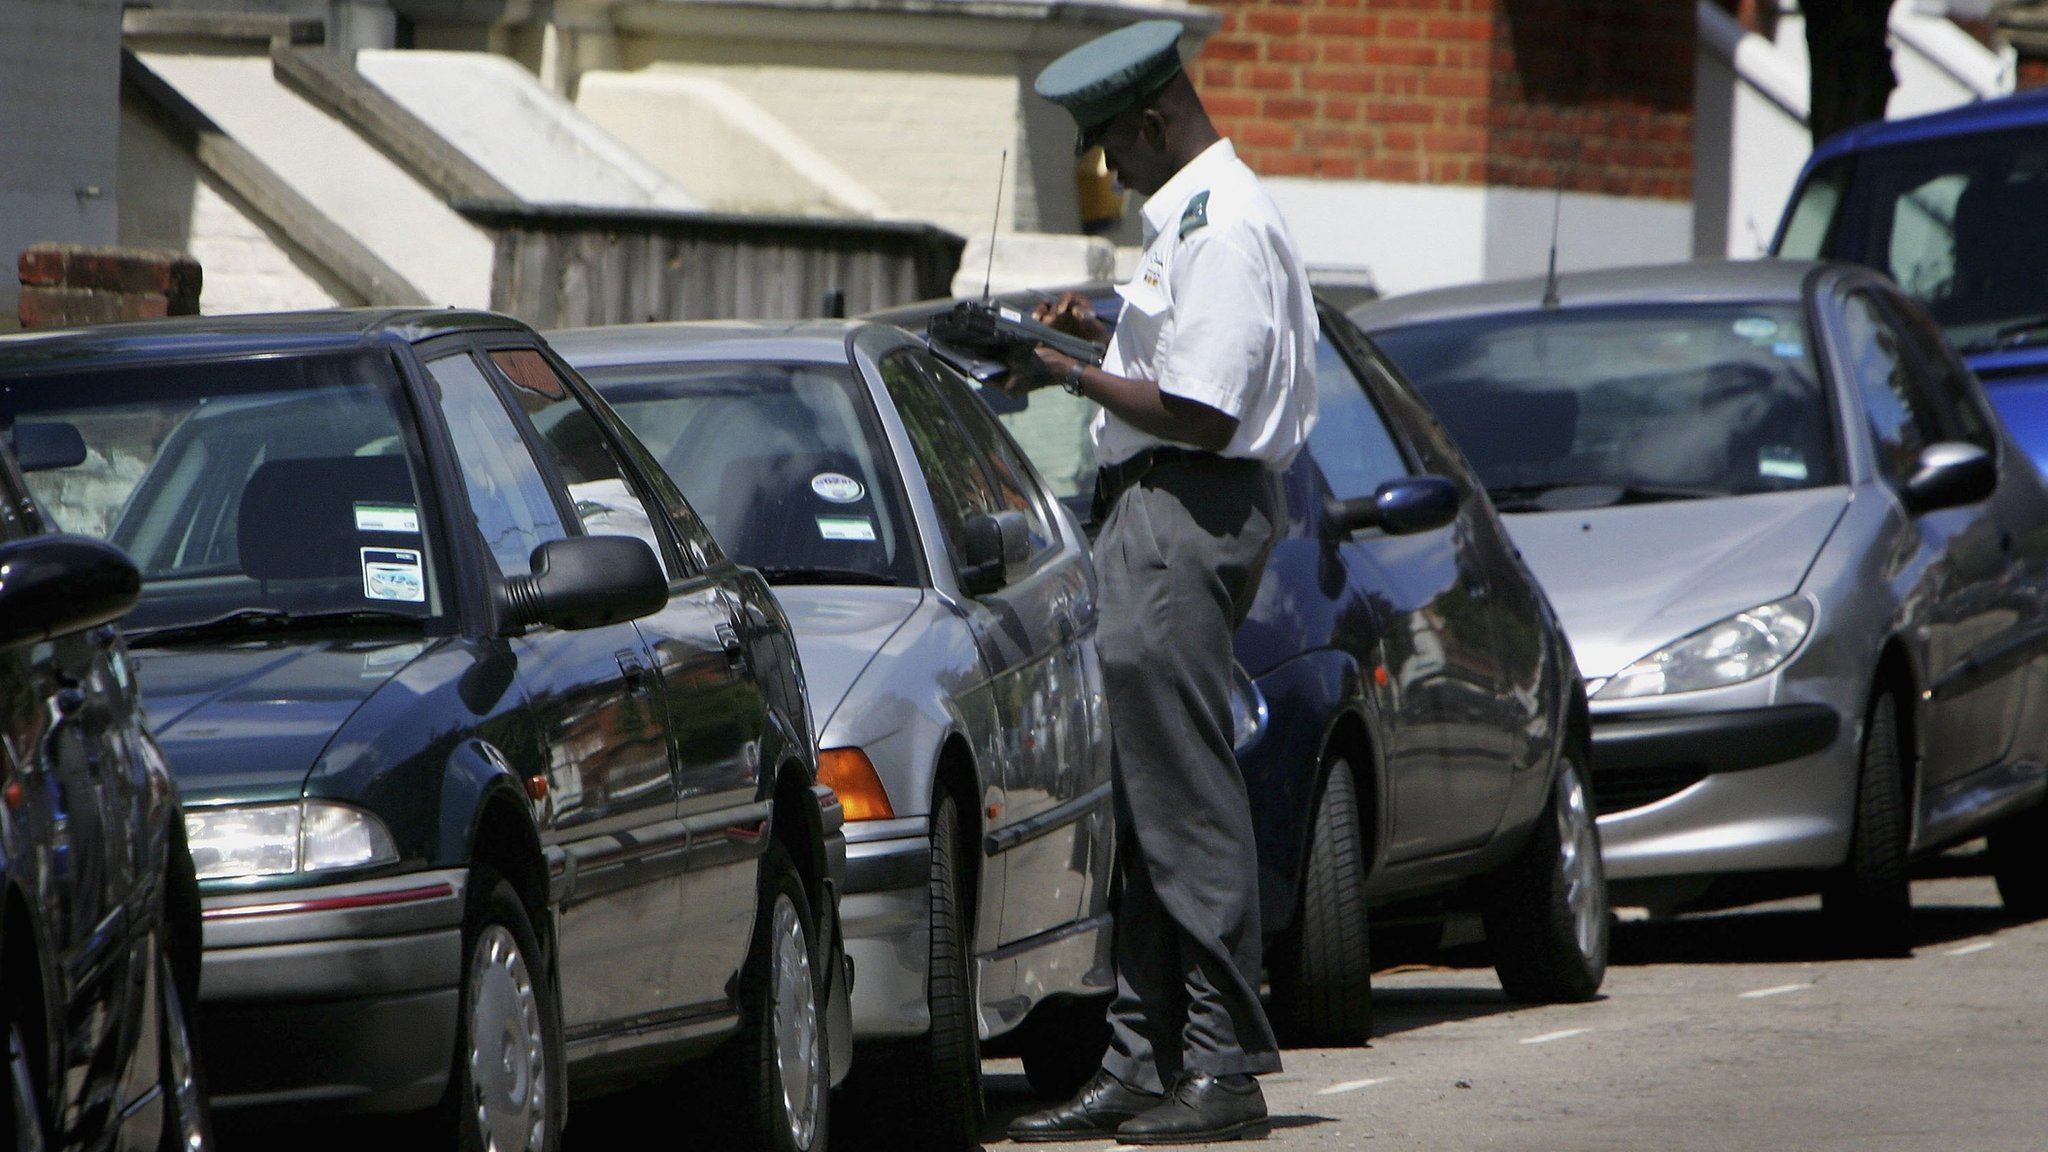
(1196, 214)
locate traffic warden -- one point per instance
(1207, 392)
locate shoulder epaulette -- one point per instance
(1196, 214)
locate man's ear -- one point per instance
(1152, 127)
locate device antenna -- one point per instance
(1550, 277)
(988, 274)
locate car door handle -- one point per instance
(634, 670)
(735, 652)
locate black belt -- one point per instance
(1111, 480)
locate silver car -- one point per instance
(1802, 564)
(944, 610)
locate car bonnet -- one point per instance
(1630, 579)
(839, 631)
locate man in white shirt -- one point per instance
(1207, 393)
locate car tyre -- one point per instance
(23, 1101)
(778, 1061)
(1062, 1044)
(2019, 863)
(507, 1089)
(1870, 898)
(1546, 913)
(928, 1091)
(188, 1120)
(1322, 967)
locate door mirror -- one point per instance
(1400, 508)
(57, 585)
(588, 582)
(1950, 474)
(994, 543)
(48, 444)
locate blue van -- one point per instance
(1953, 206)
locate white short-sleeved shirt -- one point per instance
(1219, 312)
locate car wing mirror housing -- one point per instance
(57, 585)
(994, 543)
(1950, 474)
(1400, 507)
(588, 582)
(43, 445)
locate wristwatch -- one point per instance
(1071, 381)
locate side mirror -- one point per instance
(57, 585)
(1950, 474)
(1400, 508)
(588, 582)
(39, 447)
(994, 543)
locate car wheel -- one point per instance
(1870, 898)
(506, 1087)
(188, 1121)
(1062, 1044)
(1322, 966)
(779, 1056)
(928, 1090)
(2019, 862)
(1546, 911)
(23, 1101)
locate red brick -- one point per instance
(1274, 23)
(1290, 52)
(1261, 135)
(1273, 79)
(1415, 55)
(1229, 48)
(1287, 108)
(1343, 25)
(1354, 82)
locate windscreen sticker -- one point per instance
(1757, 328)
(1788, 349)
(387, 518)
(846, 528)
(837, 487)
(1780, 463)
(393, 574)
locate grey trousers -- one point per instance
(1180, 555)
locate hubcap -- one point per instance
(1579, 860)
(798, 1054)
(183, 1087)
(28, 1134)
(507, 1058)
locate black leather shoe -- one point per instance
(1201, 1109)
(1093, 1114)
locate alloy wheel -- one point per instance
(797, 1050)
(507, 1056)
(187, 1103)
(1579, 861)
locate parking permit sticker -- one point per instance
(846, 528)
(393, 574)
(1756, 328)
(838, 488)
(387, 518)
(1788, 349)
(1780, 463)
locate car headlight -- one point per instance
(1742, 647)
(1247, 709)
(245, 840)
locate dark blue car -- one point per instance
(1953, 206)
(1413, 727)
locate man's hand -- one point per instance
(1041, 367)
(1073, 314)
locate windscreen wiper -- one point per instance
(2014, 335)
(805, 574)
(253, 621)
(1571, 494)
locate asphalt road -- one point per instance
(1739, 1031)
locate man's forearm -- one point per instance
(1143, 406)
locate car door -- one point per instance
(714, 708)
(1951, 562)
(1447, 745)
(610, 803)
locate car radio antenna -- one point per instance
(989, 274)
(1550, 277)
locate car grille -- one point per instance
(1621, 791)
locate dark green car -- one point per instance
(499, 777)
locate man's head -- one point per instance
(1127, 92)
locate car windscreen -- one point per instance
(1597, 406)
(275, 488)
(785, 462)
(1961, 224)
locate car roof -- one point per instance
(1699, 282)
(797, 341)
(2020, 110)
(211, 337)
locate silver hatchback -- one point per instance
(1804, 568)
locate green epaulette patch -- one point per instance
(1196, 214)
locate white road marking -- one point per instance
(1965, 950)
(1779, 990)
(1547, 1037)
(1351, 1086)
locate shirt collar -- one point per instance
(1164, 207)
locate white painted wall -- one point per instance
(167, 201)
(60, 70)
(363, 191)
(533, 141)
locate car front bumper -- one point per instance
(343, 995)
(886, 915)
(1701, 793)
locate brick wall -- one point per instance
(63, 285)
(2033, 72)
(1595, 95)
